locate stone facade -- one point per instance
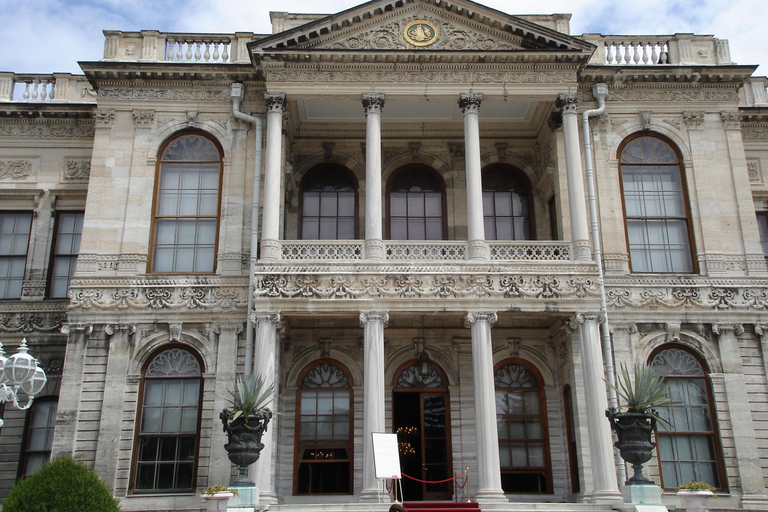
(450, 93)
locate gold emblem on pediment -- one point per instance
(420, 32)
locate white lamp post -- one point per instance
(20, 372)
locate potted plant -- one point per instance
(218, 495)
(635, 422)
(694, 495)
(245, 421)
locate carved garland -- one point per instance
(192, 297)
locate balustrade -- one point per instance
(45, 88)
(658, 50)
(636, 53)
(215, 49)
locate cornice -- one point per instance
(99, 71)
(46, 112)
(667, 75)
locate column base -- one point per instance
(491, 496)
(270, 250)
(582, 251)
(267, 498)
(478, 250)
(607, 497)
(373, 250)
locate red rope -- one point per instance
(435, 482)
(461, 486)
(388, 486)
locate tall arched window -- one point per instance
(186, 214)
(655, 206)
(688, 448)
(169, 422)
(507, 204)
(323, 454)
(328, 204)
(416, 202)
(522, 423)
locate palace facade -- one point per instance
(391, 213)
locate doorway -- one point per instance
(421, 422)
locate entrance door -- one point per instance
(421, 423)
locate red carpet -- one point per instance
(440, 506)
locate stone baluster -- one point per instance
(207, 51)
(216, 45)
(270, 246)
(225, 52)
(170, 42)
(470, 107)
(188, 55)
(374, 245)
(197, 50)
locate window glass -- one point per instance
(762, 226)
(416, 200)
(506, 203)
(655, 207)
(41, 420)
(69, 229)
(187, 206)
(14, 241)
(169, 417)
(328, 204)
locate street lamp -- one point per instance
(20, 372)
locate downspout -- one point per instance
(600, 92)
(237, 93)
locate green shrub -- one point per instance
(62, 485)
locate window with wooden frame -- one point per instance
(522, 424)
(66, 245)
(507, 204)
(167, 441)
(570, 431)
(15, 228)
(655, 206)
(38, 435)
(762, 226)
(187, 204)
(328, 204)
(416, 204)
(324, 444)
(688, 448)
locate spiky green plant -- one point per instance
(645, 393)
(249, 397)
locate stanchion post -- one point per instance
(469, 496)
(394, 485)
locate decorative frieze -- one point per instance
(152, 295)
(15, 169)
(284, 75)
(672, 95)
(742, 295)
(194, 94)
(45, 130)
(77, 169)
(27, 322)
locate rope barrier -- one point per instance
(388, 486)
(462, 486)
(436, 481)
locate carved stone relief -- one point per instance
(753, 168)
(425, 76)
(16, 169)
(68, 131)
(77, 169)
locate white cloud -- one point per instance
(47, 36)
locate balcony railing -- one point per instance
(45, 88)
(655, 50)
(153, 46)
(352, 250)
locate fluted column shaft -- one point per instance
(270, 234)
(576, 201)
(373, 323)
(470, 106)
(374, 245)
(488, 465)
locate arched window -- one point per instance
(186, 214)
(507, 204)
(416, 201)
(688, 448)
(169, 422)
(655, 206)
(323, 454)
(522, 424)
(328, 204)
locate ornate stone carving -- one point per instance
(753, 168)
(149, 294)
(275, 102)
(328, 150)
(731, 120)
(423, 76)
(673, 332)
(266, 316)
(373, 103)
(673, 95)
(456, 150)
(646, 116)
(32, 322)
(192, 94)
(143, 118)
(77, 169)
(235, 328)
(111, 329)
(569, 103)
(741, 295)
(62, 131)
(174, 331)
(469, 102)
(192, 117)
(104, 118)
(693, 120)
(68, 329)
(720, 329)
(484, 316)
(374, 316)
(15, 169)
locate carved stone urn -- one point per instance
(244, 446)
(634, 430)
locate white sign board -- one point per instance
(386, 458)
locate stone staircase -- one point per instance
(440, 506)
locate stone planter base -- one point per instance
(694, 501)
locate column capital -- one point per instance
(275, 102)
(489, 316)
(266, 316)
(234, 327)
(469, 102)
(373, 103)
(374, 316)
(111, 329)
(720, 329)
(76, 328)
(762, 331)
(569, 103)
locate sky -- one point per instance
(46, 36)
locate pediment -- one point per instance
(420, 25)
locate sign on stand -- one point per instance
(386, 458)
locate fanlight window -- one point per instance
(186, 218)
(506, 204)
(522, 426)
(323, 463)
(655, 206)
(688, 448)
(328, 204)
(411, 377)
(169, 419)
(416, 205)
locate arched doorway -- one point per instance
(421, 419)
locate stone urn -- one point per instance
(244, 441)
(634, 431)
(218, 500)
(694, 501)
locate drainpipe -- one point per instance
(237, 93)
(600, 92)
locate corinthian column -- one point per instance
(374, 246)
(576, 200)
(265, 364)
(470, 106)
(373, 323)
(270, 247)
(488, 465)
